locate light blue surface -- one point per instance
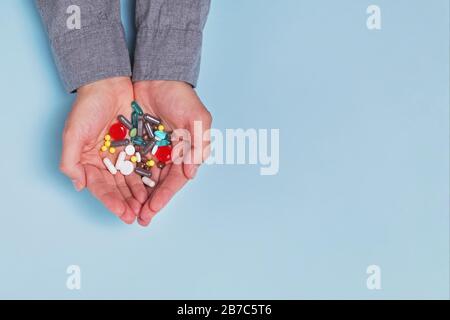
(364, 179)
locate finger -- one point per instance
(70, 159)
(200, 140)
(143, 222)
(122, 185)
(146, 213)
(137, 188)
(162, 194)
(128, 216)
(104, 191)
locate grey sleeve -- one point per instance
(169, 39)
(90, 48)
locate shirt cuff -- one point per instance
(167, 54)
(91, 54)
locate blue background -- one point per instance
(364, 167)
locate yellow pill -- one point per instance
(103, 148)
(107, 137)
(107, 143)
(161, 127)
(133, 159)
(150, 163)
(112, 150)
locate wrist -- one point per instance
(114, 86)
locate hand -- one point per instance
(178, 106)
(95, 109)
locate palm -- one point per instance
(88, 123)
(177, 105)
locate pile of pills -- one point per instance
(145, 143)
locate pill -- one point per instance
(148, 182)
(136, 108)
(109, 165)
(107, 137)
(138, 157)
(133, 159)
(155, 148)
(150, 163)
(127, 123)
(149, 129)
(134, 119)
(107, 143)
(112, 150)
(130, 150)
(163, 154)
(104, 148)
(161, 127)
(162, 143)
(118, 131)
(120, 159)
(120, 143)
(160, 134)
(148, 147)
(133, 132)
(138, 141)
(151, 119)
(140, 127)
(126, 168)
(143, 172)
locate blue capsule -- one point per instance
(160, 134)
(162, 143)
(138, 141)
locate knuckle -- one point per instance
(207, 117)
(64, 168)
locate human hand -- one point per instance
(96, 107)
(178, 106)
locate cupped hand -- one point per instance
(178, 106)
(96, 107)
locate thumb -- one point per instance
(70, 160)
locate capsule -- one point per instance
(160, 134)
(134, 119)
(151, 119)
(143, 172)
(140, 127)
(161, 143)
(120, 143)
(125, 122)
(148, 182)
(136, 108)
(149, 129)
(138, 141)
(147, 147)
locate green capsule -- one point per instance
(137, 108)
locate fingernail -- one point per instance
(77, 185)
(194, 172)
